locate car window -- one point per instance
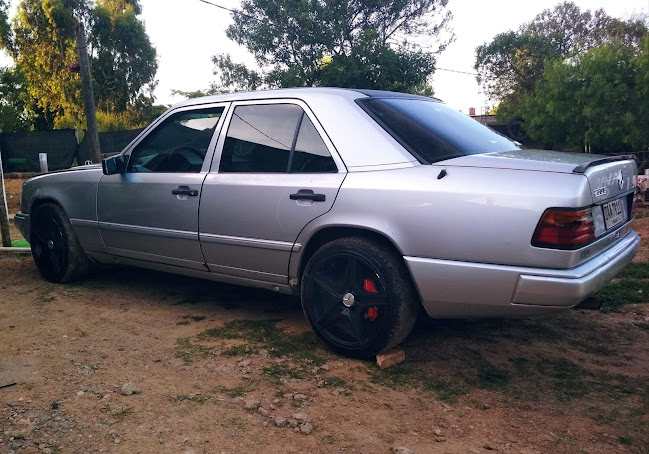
(432, 131)
(260, 138)
(179, 144)
(311, 154)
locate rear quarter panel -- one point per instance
(471, 214)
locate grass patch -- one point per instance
(276, 372)
(120, 413)
(264, 333)
(405, 375)
(194, 398)
(196, 318)
(235, 421)
(236, 391)
(20, 243)
(627, 291)
(183, 323)
(635, 271)
(240, 350)
(186, 350)
(335, 382)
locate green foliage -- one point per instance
(372, 64)
(13, 94)
(588, 100)
(123, 61)
(363, 44)
(5, 27)
(513, 64)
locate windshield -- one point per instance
(432, 131)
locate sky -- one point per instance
(186, 33)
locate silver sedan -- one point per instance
(369, 205)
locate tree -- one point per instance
(5, 27)
(122, 58)
(511, 65)
(589, 100)
(358, 43)
(13, 94)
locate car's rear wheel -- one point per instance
(55, 247)
(358, 297)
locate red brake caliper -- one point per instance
(372, 313)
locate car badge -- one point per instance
(620, 182)
(600, 192)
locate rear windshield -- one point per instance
(432, 131)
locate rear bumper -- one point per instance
(462, 289)
(22, 222)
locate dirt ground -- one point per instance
(224, 369)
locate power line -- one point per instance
(456, 71)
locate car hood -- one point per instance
(538, 160)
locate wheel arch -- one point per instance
(327, 234)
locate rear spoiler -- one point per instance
(581, 168)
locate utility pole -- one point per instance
(86, 87)
(4, 215)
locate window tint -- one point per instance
(432, 131)
(260, 138)
(179, 144)
(311, 154)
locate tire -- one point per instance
(55, 247)
(358, 297)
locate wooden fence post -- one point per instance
(4, 214)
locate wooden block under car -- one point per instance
(388, 359)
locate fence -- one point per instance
(20, 149)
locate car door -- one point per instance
(274, 171)
(150, 212)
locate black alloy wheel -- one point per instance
(55, 248)
(358, 297)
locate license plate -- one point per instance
(614, 212)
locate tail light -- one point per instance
(563, 228)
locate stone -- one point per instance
(388, 359)
(300, 417)
(245, 363)
(129, 388)
(401, 450)
(306, 428)
(263, 412)
(300, 397)
(438, 432)
(281, 421)
(293, 422)
(324, 368)
(251, 404)
(80, 393)
(440, 439)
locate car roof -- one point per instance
(300, 93)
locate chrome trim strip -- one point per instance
(250, 242)
(84, 222)
(182, 234)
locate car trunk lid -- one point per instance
(538, 160)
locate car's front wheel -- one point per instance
(55, 247)
(358, 297)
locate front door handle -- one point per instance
(308, 194)
(185, 190)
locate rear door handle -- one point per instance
(308, 194)
(185, 190)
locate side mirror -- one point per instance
(114, 165)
